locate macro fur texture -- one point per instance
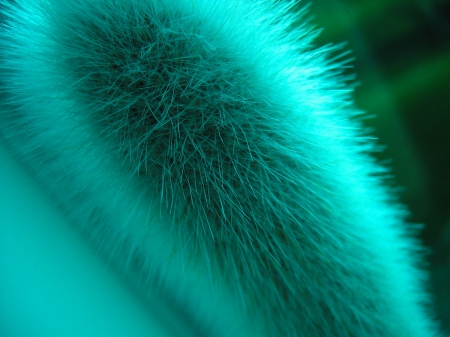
(211, 149)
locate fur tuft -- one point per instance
(207, 146)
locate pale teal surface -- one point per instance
(51, 283)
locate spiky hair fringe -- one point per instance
(210, 148)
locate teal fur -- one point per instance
(213, 149)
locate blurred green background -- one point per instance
(402, 63)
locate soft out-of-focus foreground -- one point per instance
(402, 62)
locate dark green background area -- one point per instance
(402, 62)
